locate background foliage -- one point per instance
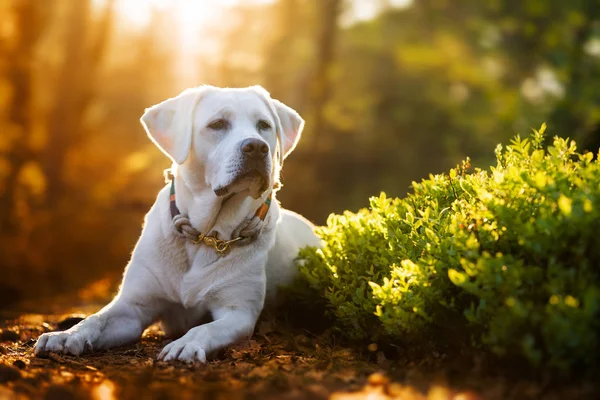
(391, 91)
(506, 258)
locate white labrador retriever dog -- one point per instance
(211, 243)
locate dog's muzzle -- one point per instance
(254, 169)
(255, 158)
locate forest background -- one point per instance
(391, 90)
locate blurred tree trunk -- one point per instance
(226, 71)
(29, 24)
(320, 90)
(328, 12)
(566, 118)
(85, 48)
(280, 56)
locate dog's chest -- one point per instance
(199, 255)
(203, 273)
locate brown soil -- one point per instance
(279, 362)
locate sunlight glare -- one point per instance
(363, 10)
(194, 20)
(104, 391)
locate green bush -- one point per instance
(508, 258)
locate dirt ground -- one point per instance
(278, 362)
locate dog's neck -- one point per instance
(207, 212)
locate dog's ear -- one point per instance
(170, 124)
(291, 124)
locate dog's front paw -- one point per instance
(185, 350)
(67, 342)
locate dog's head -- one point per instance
(233, 140)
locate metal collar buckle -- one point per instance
(220, 246)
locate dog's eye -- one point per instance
(219, 125)
(263, 125)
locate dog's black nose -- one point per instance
(254, 148)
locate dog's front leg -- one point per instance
(120, 322)
(235, 315)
